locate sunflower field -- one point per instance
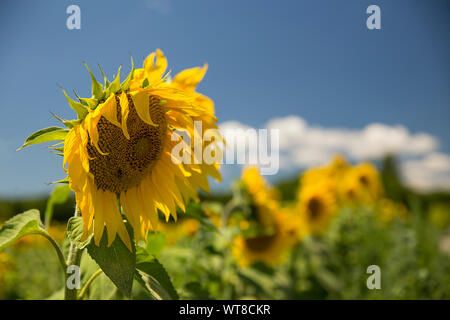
(133, 221)
(261, 242)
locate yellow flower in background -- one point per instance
(257, 186)
(120, 147)
(270, 249)
(173, 232)
(316, 207)
(361, 184)
(278, 227)
(387, 210)
(264, 198)
(57, 231)
(332, 172)
(6, 264)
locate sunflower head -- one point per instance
(264, 199)
(361, 185)
(316, 208)
(270, 232)
(269, 248)
(118, 152)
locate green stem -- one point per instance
(74, 258)
(88, 283)
(58, 251)
(228, 208)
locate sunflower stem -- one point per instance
(73, 259)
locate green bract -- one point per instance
(99, 94)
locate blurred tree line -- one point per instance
(394, 189)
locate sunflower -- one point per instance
(185, 228)
(331, 172)
(316, 207)
(271, 248)
(118, 153)
(271, 233)
(387, 210)
(264, 198)
(361, 185)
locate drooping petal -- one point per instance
(125, 109)
(109, 110)
(141, 104)
(99, 215)
(188, 79)
(155, 65)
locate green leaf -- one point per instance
(155, 243)
(152, 275)
(45, 135)
(125, 85)
(115, 85)
(102, 288)
(116, 261)
(21, 225)
(90, 102)
(59, 195)
(97, 88)
(68, 123)
(81, 110)
(105, 79)
(75, 230)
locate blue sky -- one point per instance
(268, 59)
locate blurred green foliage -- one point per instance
(413, 255)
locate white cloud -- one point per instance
(432, 172)
(303, 145)
(307, 145)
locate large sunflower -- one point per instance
(118, 154)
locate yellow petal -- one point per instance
(188, 79)
(146, 193)
(133, 210)
(141, 104)
(99, 219)
(124, 105)
(155, 65)
(109, 110)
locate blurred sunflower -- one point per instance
(269, 234)
(175, 231)
(361, 185)
(118, 151)
(264, 198)
(270, 249)
(331, 172)
(387, 210)
(316, 207)
(6, 264)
